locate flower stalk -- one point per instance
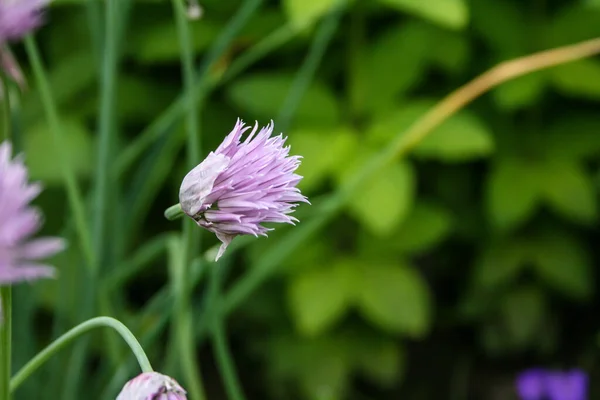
(70, 336)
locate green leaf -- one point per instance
(572, 24)
(42, 157)
(395, 298)
(573, 137)
(390, 73)
(318, 298)
(320, 367)
(157, 42)
(561, 261)
(523, 312)
(499, 263)
(512, 193)
(426, 225)
(450, 50)
(303, 12)
(319, 161)
(580, 78)
(452, 14)
(380, 359)
(261, 95)
(461, 138)
(570, 191)
(502, 25)
(521, 92)
(383, 202)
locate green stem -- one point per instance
(225, 361)
(105, 130)
(7, 114)
(5, 341)
(73, 193)
(222, 354)
(184, 332)
(201, 88)
(174, 212)
(71, 335)
(308, 68)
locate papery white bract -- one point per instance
(152, 386)
(241, 185)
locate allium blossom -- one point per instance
(19, 254)
(241, 185)
(19, 17)
(152, 386)
(539, 384)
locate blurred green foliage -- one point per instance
(447, 272)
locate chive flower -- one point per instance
(539, 384)
(20, 255)
(19, 17)
(152, 386)
(242, 185)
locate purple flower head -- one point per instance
(152, 386)
(531, 384)
(19, 254)
(243, 184)
(571, 385)
(19, 17)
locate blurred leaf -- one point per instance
(386, 127)
(385, 200)
(262, 95)
(391, 72)
(396, 299)
(579, 78)
(460, 138)
(43, 159)
(573, 137)
(572, 24)
(426, 225)
(320, 367)
(450, 50)
(71, 76)
(159, 42)
(452, 14)
(303, 12)
(382, 361)
(521, 92)
(318, 298)
(523, 312)
(502, 25)
(569, 190)
(499, 263)
(319, 160)
(512, 192)
(562, 262)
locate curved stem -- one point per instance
(404, 142)
(68, 337)
(183, 333)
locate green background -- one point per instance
(443, 275)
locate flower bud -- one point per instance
(152, 386)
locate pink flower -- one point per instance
(19, 253)
(19, 17)
(241, 185)
(152, 386)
